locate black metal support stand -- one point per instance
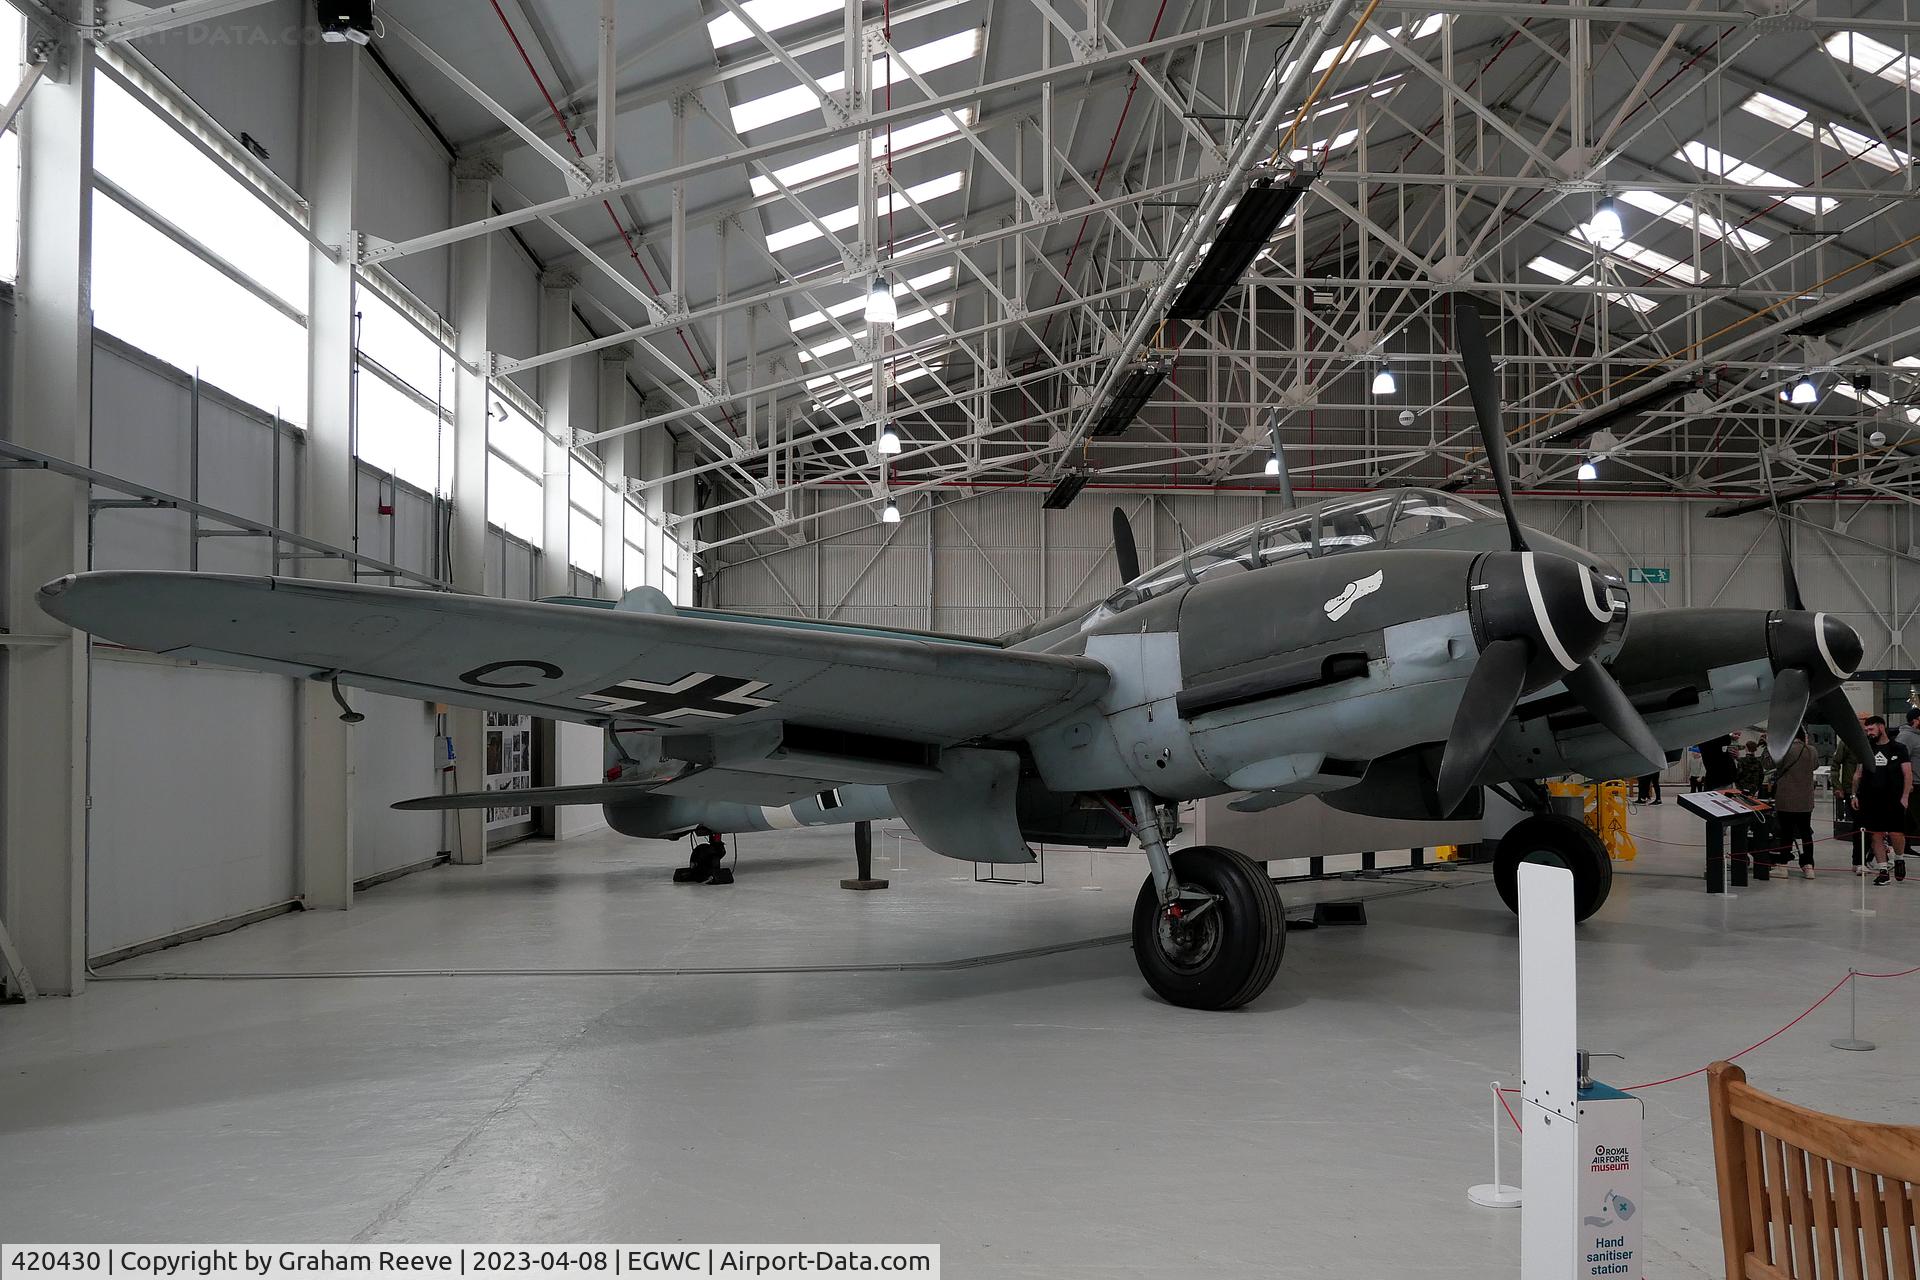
(863, 859)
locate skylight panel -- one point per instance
(1374, 44)
(1712, 161)
(906, 321)
(1683, 214)
(771, 15)
(861, 389)
(757, 113)
(1325, 146)
(844, 159)
(1652, 260)
(839, 220)
(1875, 58)
(859, 301)
(1850, 142)
(1567, 275)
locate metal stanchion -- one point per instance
(1495, 1194)
(1852, 1043)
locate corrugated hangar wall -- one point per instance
(984, 563)
(193, 768)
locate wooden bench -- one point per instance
(1810, 1196)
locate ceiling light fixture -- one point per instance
(1383, 383)
(1605, 228)
(1273, 464)
(889, 440)
(890, 514)
(1590, 469)
(881, 308)
(1804, 392)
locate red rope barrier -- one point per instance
(1688, 1075)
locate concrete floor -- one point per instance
(1041, 1116)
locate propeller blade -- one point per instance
(1601, 695)
(1838, 712)
(1789, 580)
(1124, 552)
(1786, 565)
(1493, 690)
(1789, 708)
(1470, 335)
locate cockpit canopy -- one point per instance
(1324, 529)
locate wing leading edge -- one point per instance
(671, 673)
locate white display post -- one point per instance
(1580, 1140)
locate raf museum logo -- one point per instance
(1609, 1160)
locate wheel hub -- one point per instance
(1188, 939)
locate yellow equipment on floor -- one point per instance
(1605, 811)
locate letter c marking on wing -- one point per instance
(478, 676)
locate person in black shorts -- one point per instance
(1880, 798)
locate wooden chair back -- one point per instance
(1810, 1196)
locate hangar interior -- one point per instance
(864, 316)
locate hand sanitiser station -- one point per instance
(1580, 1144)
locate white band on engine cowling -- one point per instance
(1593, 605)
(1547, 633)
(1820, 642)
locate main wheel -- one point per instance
(1222, 956)
(1555, 840)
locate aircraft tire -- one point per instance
(1232, 951)
(1561, 841)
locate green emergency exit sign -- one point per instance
(1656, 576)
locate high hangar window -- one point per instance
(12, 40)
(586, 499)
(199, 254)
(403, 386)
(516, 457)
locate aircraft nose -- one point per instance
(1557, 604)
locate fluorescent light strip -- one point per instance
(906, 321)
(1681, 213)
(839, 220)
(1567, 275)
(1650, 259)
(1849, 142)
(920, 133)
(1714, 162)
(859, 300)
(757, 113)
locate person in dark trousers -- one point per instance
(1696, 770)
(1717, 753)
(1793, 799)
(1881, 796)
(1650, 788)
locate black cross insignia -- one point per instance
(698, 694)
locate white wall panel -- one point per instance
(192, 787)
(243, 69)
(581, 755)
(405, 187)
(392, 760)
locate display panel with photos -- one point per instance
(509, 763)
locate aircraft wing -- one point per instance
(650, 667)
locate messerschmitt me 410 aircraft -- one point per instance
(1391, 654)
